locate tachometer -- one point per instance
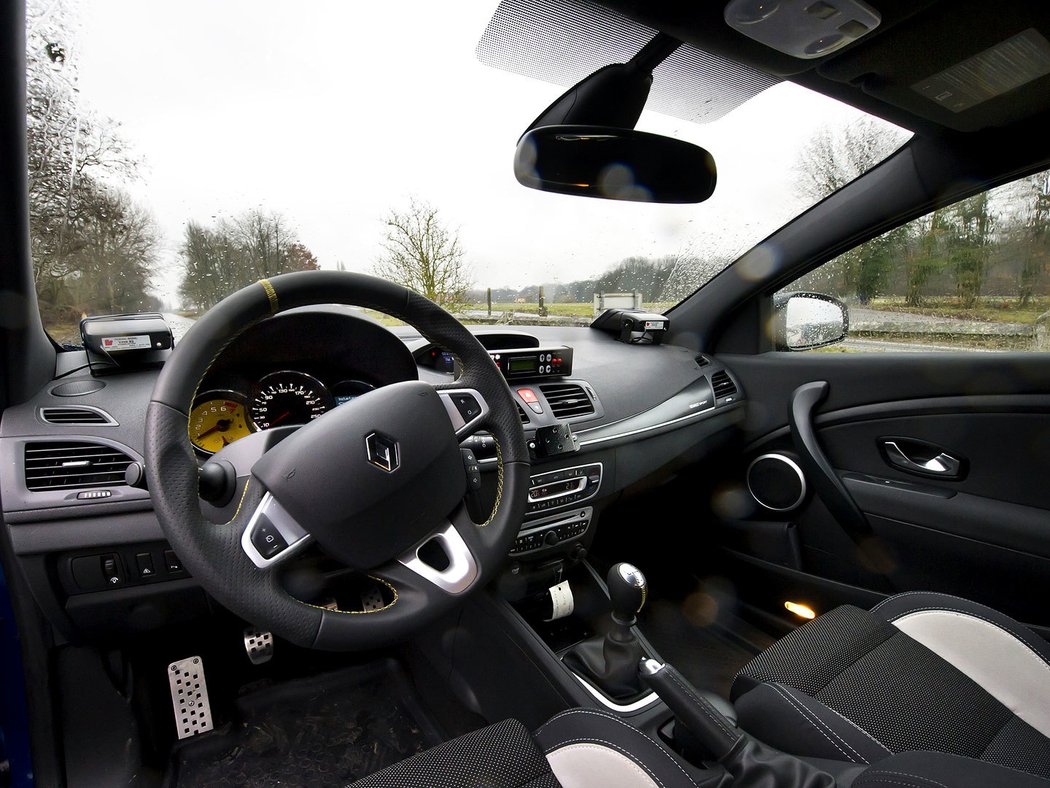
(217, 420)
(288, 397)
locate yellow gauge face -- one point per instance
(215, 423)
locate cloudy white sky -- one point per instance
(332, 113)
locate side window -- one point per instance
(969, 276)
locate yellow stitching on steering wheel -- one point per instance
(270, 294)
(240, 503)
(499, 484)
(361, 612)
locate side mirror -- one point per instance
(803, 321)
(614, 164)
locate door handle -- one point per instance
(921, 458)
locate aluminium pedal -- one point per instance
(189, 697)
(372, 600)
(258, 644)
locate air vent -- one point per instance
(83, 415)
(73, 466)
(523, 415)
(723, 384)
(567, 400)
(702, 360)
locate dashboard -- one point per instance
(94, 552)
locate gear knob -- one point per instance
(628, 589)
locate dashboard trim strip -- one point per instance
(640, 430)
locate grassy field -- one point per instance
(64, 333)
(564, 310)
(991, 309)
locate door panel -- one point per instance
(984, 535)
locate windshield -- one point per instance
(180, 151)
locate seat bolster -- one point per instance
(582, 744)
(900, 605)
(1007, 659)
(804, 726)
(941, 770)
(504, 754)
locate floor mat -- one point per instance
(329, 730)
(705, 654)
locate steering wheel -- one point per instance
(378, 483)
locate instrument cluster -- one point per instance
(282, 398)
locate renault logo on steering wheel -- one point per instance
(383, 451)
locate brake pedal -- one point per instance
(189, 697)
(259, 645)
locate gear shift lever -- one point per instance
(611, 662)
(628, 590)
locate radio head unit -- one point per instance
(538, 362)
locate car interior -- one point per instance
(296, 546)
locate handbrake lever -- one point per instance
(751, 763)
(715, 732)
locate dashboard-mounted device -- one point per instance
(538, 362)
(633, 326)
(119, 343)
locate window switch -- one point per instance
(144, 563)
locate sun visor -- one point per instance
(562, 41)
(995, 74)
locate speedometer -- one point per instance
(288, 397)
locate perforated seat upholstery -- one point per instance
(921, 671)
(580, 748)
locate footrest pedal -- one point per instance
(189, 697)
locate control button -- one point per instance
(267, 539)
(172, 561)
(88, 495)
(144, 563)
(112, 571)
(551, 538)
(467, 406)
(547, 368)
(528, 396)
(548, 359)
(470, 464)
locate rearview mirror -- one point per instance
(803, 321)
(614, 164)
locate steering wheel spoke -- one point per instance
(466, 407)
(444, 559)
(272, 535)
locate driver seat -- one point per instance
(579, 748)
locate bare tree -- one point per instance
(236, 252)
(422, 254)
(833, 158)
(836, 156)
(72, 154)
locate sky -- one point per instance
(334, 113)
